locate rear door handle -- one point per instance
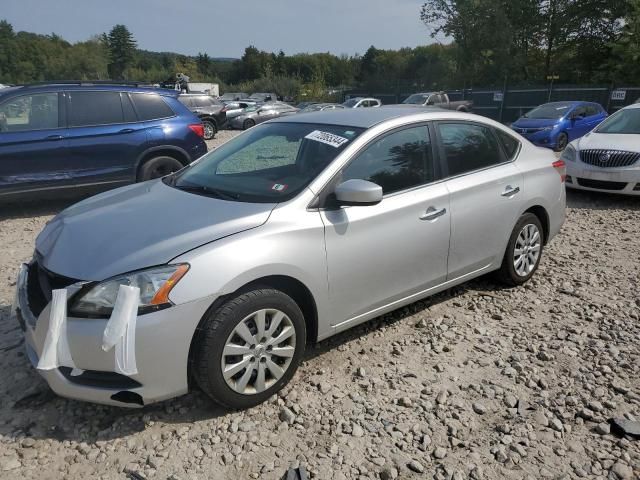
(54, 137)
(510, 191)
(127, 130)
(432, 213)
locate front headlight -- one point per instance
(97, 300)
(549, 128)
(568, 154)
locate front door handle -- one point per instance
(54, 137)
(127, 130)
(432, 213)
(510, 191)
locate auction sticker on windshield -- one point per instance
(328, 138)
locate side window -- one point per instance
(592, 110)
(579, 112)
(398, 161)
(29, 112)
(468, 147)
(509, 143)
(94, 108)
(150, 106)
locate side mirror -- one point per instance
(358, 192)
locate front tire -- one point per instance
(249, 348)
(524, 251)
(562, 142)
(248, 124)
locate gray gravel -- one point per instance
(476, 383)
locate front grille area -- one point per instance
(40, 283)
(601, 184)
(609, 158)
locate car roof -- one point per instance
(633, 105)
(88, 86)
(358, 117)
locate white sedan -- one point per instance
(608, 158)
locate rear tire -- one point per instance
(524, 251)
(157, 167)
(210, 129)
(241, 338)
(248, 124)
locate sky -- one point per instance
(224, 29)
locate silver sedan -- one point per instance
(219, 275)
(253, 115)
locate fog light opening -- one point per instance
(126, 396)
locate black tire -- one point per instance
(157, 167)
(210, 129)
(507, 273)
(248, 124)
(220, 323)
(562, 142)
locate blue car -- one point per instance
(62, 137)
(555, 124)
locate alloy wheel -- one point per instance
(258, 351)
(526, 253)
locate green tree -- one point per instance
(625, 52)
(122, 49)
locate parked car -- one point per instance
(320, 107)
(360, 102)
(554, 125)
(303, 105)
(282, 246)
(235, 108)
(232, 96)
(210, 111)
(608, 158)
(259, 113)
(440, 100)
(263, 97)
(68, 136)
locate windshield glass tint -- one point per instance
(550, 110)
(416, 99)
(269, 163)
(625, 121)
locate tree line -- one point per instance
(477, 43)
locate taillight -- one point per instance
(561, 168)
(198, 129)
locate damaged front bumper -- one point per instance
(163, 339)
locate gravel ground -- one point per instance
(478, 382)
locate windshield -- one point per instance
(416, 99)
(624, 121)
(268, 164)
(550, 110)
(351, 103)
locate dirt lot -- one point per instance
(478, 382)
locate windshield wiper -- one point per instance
(206, 191)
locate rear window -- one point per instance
(151, 107)
(509, 143)
(94, 108)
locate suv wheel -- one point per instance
(524, 251)
(210, 129)
(158, 167)
(248, 124)
(249, 348)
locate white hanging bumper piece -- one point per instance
(121, 330)
(55, 352)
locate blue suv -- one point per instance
(555, 124)
(69, 136)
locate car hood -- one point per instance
(610, 141)
(138, 226)
(523, 122)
